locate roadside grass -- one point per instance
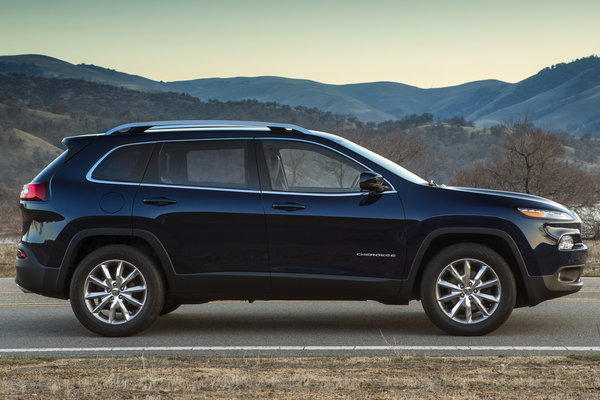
(8, 252)
(8, 361)
(593, 264)
(353, 378)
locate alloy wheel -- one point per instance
(468, 291)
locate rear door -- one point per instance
(201, 199)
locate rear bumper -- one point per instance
(34, 277)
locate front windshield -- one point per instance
(376, 158)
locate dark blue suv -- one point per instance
(132, 223)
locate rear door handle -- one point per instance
(159, 201)
(288, 206)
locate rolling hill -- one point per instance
(564, 97)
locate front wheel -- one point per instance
(468, 289)
(169, 306)
(116, 291)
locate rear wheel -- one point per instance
(468, 289)
(116, 291)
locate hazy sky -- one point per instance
(426, 43)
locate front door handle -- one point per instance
(289, 206)
(159, 201)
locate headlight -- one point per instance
(547, 214)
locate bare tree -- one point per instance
(397, 147)
(409, 151)
(532, 161)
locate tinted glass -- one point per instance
(126, 164)
(303, 167)
(220, 164)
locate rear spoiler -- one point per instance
(77, 143)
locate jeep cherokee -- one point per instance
(134, 222)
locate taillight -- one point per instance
(21, 254)
(33, 191)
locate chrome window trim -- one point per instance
(340, 194)
(168, 185)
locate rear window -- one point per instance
(125, 164)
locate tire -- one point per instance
(169, 306)
(483, 302)
(116, 291)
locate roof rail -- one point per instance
(140, 127)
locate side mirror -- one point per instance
(372, 182)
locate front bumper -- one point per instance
(565, 280)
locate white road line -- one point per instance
(308, 349)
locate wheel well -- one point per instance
(495, 243)
(91, 243)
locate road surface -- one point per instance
(39, 326)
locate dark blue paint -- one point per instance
(217, 244)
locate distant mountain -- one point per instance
(48, 67)
(294, 92)
(564, 97)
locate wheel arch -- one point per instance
(497, 240)
(89, 240)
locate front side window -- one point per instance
(304, 167)
(219, 164)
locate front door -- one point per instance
(326, 237)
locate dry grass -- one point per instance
(10, 219)
(8, 252)
(593, 264)
(302, 378)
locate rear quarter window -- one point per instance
(125, 164)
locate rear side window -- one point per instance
(218, 164)
(125, 164)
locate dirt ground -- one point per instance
(400, 377)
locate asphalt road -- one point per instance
(35, 325)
